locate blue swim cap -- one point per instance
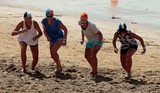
(122, 27)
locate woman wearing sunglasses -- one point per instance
(128, 46)
(52, 28)
(94, 43)
(28, 35)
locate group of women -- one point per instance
(56, 34)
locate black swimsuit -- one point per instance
(127, 42)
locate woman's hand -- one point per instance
(24, 30)
(64, 43)
(144, 50)
(49, 39)
(97, 47)
(34, 38)
(116, 50)
(82, 42)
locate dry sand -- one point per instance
(75, 77)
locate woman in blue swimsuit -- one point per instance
(52, 28)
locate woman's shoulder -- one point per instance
(20, 23)
(44, 20)
(56, 19)
(79, 22)
(35, 22)
(91, 23)
(129, 32)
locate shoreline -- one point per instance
(103, 19)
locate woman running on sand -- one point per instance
(28, 36)
(52, 28)
(94, 43)
(128, 46)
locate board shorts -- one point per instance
(90, 45)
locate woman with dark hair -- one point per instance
(128, 46)
(29, 35)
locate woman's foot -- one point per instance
(33, 71)
(58, 70)
(23, 70)
(93, 74)
(128, 76)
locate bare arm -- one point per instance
(82, 34)
(133, 35)
(36, 26)
(18, 27)
(63, 27)
(100, 37)
(45, 33)
(114, 42)
(139, 38)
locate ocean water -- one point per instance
(139, 11)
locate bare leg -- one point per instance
(54, 48)
(123, 58)
(35, 53)
(88, 56)
(23, 47)
(130, 53)
(94, 60)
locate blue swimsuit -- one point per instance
(53, 31)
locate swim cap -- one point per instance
(26, 14)
(84, 15)
(122, 27)
(49, 12)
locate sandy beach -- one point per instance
(75, 77)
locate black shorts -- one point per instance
(124, 51)
(34, 45)
(21, 42)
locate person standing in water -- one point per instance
(29, 35)
(52, 28)
(128, 46)
(94, 43)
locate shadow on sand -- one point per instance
(38, 75)
(136, 82)
(65, 76)
(100, 78)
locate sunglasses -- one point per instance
(83, 20)
(28, 18)
(50, 16)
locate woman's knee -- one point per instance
(93, 55)
(54, 51)
(129, 56)
(88, 57)
(54, 55)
